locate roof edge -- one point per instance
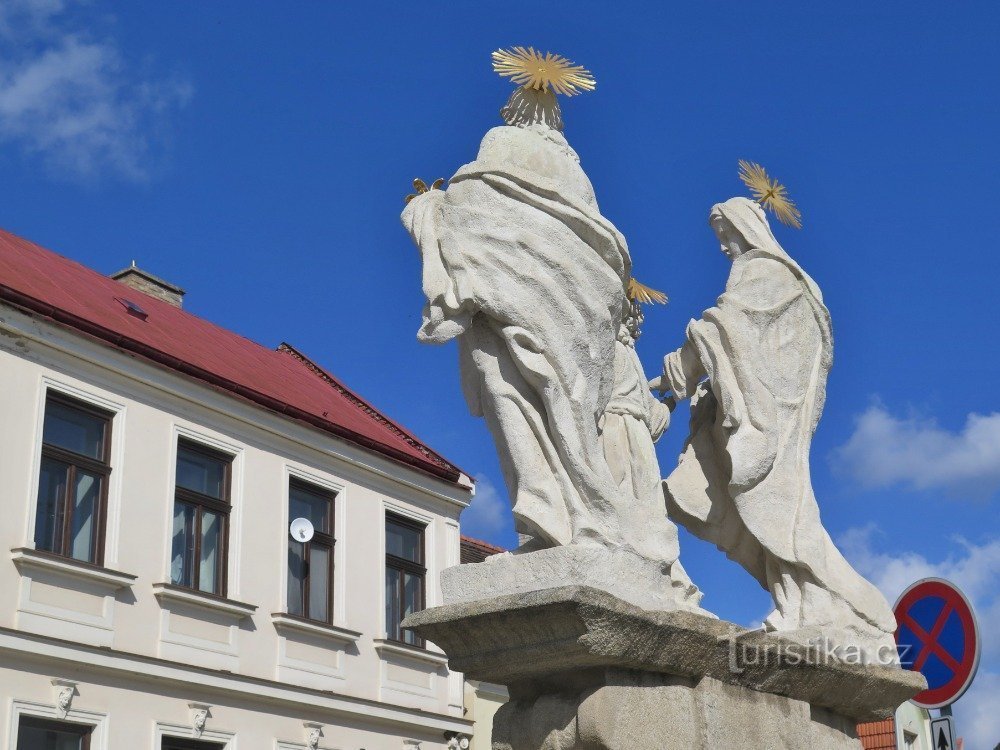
(447, 471)
(371, 411)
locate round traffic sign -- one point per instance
(937, 635)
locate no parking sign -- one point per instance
(937, 635)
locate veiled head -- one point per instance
(740, 225)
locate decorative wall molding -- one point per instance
(200, 714)
(314, 732)
(65, 691)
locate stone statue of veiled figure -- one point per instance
(522, 268)
(742, 481)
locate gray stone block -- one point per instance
(588, 670)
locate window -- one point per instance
(404, 576)
(178, 743)
(73, 479)
(44, 734)
(201, 518)
(310, 564)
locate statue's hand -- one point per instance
(656, 384)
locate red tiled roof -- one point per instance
(878, 735)
(282, 380)
(476, 550)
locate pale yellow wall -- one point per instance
(482, 701)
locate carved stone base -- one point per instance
(632, 709)
(588, 671)
(648, 584)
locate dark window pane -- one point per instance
(176, 743)
(392, 617)
(303, 503)
(412, 602)
(319, 583)
(403, 541)
(211, 550)
(183, 545)
(52, 482)
(296, 578)
(33, 734)
(73, 429)
(86, 503)
(201, 473)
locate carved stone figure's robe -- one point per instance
(633, 421)
(521, 266)
(743, 479)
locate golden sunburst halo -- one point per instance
(534, 70)
(639, 292)
(770, 193)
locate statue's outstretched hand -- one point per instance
(657, 384)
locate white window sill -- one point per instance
(28, 560)
(385, 646)
(285, 622)
(166, 593)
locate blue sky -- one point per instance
(257, 155)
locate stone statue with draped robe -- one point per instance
(742, 481)
(521, 267)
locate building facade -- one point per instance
(152, 597)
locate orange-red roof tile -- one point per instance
(878, 735)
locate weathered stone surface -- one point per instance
(565, 639)
(643, 710)
(646, 583)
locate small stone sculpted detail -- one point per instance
(313, 734)
(200, 713)
(65, 692)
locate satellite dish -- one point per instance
(301, 530)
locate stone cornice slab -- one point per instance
(555, 637)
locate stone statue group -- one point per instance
(521, 267)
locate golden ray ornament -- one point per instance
(770, 193)
(639, 292)
(538, 71)
(421, 187)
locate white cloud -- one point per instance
(976, 718)
(487, 514)
(975, 568)
(915, 451)
(72, 100)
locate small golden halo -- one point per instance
(421, 187)
(639, 292)
(770, 193)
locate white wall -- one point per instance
(152, 408)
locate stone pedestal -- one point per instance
(588, 671)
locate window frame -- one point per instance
(75, 461)
(403, 565)
(190, 743)
(85, 731)
(325, 539)
(201, 503)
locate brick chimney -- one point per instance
(146, 283)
